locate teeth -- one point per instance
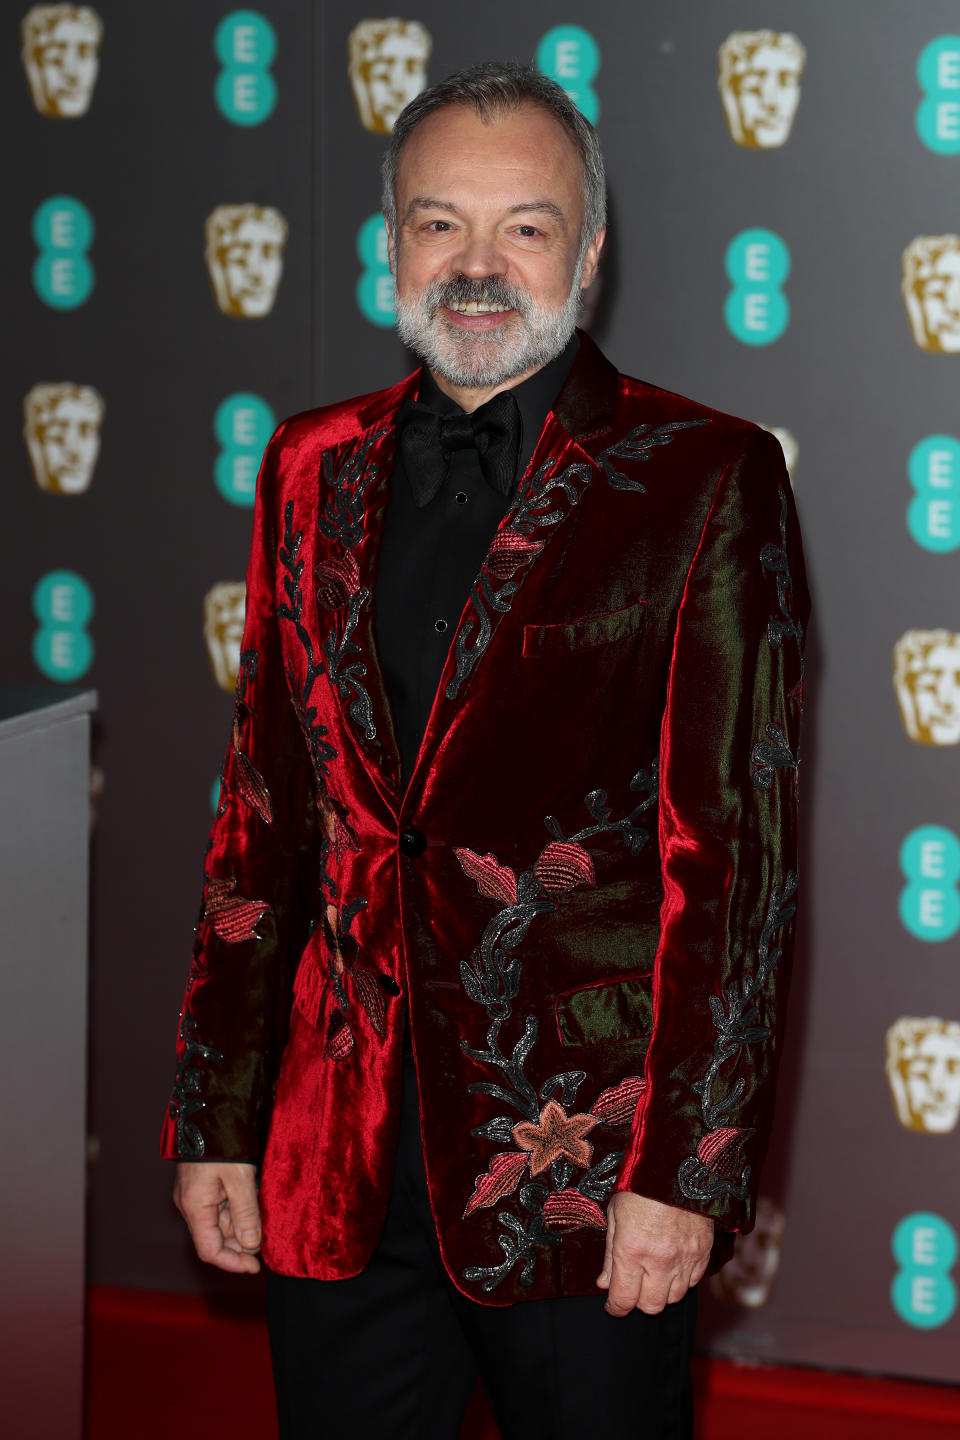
(474, 307)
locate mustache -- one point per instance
(490, 290)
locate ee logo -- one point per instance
(570, 55)
(925, 1248)
(756, 310)
(63, 232)
(375, 285)
(245, 43)
(242, 425)
(63, 605)
(933, 515)
(938, 114)
(929, 902)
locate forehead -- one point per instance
(397, 45)
(511, 156)
(772, 57)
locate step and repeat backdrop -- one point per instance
(194, 250)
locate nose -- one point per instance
(479, 255)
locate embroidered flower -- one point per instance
(562, 866)
(572, 1210)
(618, 1105)
(337, 578)
(722, 1151)
(556, 1135)
(509, 552)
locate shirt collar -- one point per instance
(534, 397)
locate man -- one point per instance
(501, 1023)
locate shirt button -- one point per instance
(440, 625)
(462, 497)
(412, 843)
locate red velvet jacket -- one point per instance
(586, 893)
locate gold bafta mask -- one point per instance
(923, 1068)
(61, 56)
(388, 67)
(931, 291)
(759, 85)
(747, 1277)
(244, 255)
(61, 427)
(926, 677)
(789, 446)
(224, 606)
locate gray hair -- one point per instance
(495, 88)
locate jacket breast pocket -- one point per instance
(585, 634)
(601, 1014)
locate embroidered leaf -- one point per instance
(509, 552)
(370, 997)
(339, 1038)
(564, 865)
(618, 1105)
(232, 916)
(501, 1179)
(569, 1210)
(493, 879)
(499, 1130)
(251, 788)
(470, 983)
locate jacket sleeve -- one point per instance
(728, 841)
(254, 912)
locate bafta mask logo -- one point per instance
(747, 1277)
(224, 606)
(61, 55)
(759, 84)
(923, 1068)
(387, 61)
(926, 677)
(61, 427)
(244, 254)
(789, 446)
(930, 286)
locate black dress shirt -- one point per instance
(431, 557)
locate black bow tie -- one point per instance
(427, 441)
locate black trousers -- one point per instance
(396, 1351)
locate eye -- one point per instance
(527, 231)
(439, 227)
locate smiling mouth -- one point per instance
(477, 307)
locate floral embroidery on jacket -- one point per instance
(186, 1099)
(717, 1168)
(233, 917)
(549, 1141)
(348, 981)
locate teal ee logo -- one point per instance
(63, 605)
(570, 55)
(242, 425)
(756, 310)
(923, 1293)
(929, 902)
(245, 44)
(933, 515)
(63, 233)
(375, 285)
(938, 114)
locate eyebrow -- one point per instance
(527, 207)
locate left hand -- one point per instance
(655, 1252)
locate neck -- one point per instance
(471, 397)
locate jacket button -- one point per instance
(412, 843)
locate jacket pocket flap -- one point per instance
(612, 1010)
(584, 634)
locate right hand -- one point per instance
(218, 1200)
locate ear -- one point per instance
(391, 249)
(591, 259)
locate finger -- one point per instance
(699, 1270)
(244, 1210)
(626, 1277)
(209, 1243)
(653, 1292)
(603, 1279)
(679, 1286)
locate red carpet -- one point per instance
(147, 1353)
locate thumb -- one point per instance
(603, 1279)
(241, 1191)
